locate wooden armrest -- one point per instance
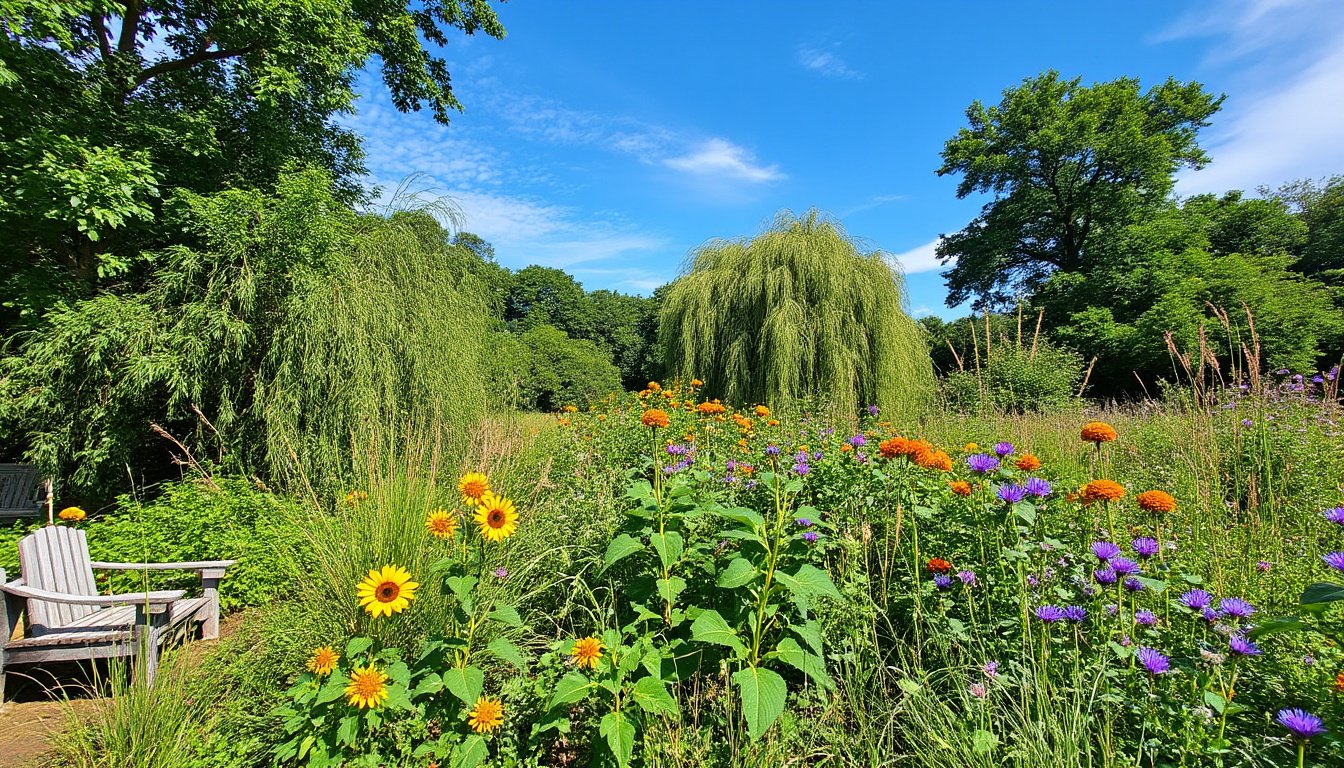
(161, 597)
(201, 565)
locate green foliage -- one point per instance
(796, 312)
(627, 327)
(1017, 379)
(268, 345)
(563, 371)
(547, 296)
(1066, 164)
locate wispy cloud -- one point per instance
(1288, 60)
(724, 159)
(876, 201)
(921, 258)
(826, 63)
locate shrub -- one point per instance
(564, 371)
(1014, 379)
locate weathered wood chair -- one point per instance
(18, 490)
(67, 620)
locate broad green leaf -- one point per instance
(908, 686)
(619, 732)
(763, 695)
(710, 627)
(347, 730)
(810, 633)
(460, 586)
(809, 580)
(356, 646)
(429, 684)
(652, 696)
(669, 546)
(506, 650)
(793, 654)
(507, 614)
(465, 683)
(471, 752)
(332, 689)
(1026, 512)
(983, 742)
(1276, 626)
(1322, 592)
(1215, 701)
(747, 517)
(738, 573)
(620, 547)
(1156, 586)
(571, 688)
(669, 589)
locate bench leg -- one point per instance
(210, 626)
(148, 631)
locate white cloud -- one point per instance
(826, 63)
(722, 158)
(921, 258)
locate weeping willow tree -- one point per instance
(799, 311)
(284, 333)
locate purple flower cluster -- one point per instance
(1153, 661)
(1144, 547)
(982, 463)
(1037, 487)
(1012, 493)
(1003, 449)
(1050, 613)
(1301, 724)
(1104, 550)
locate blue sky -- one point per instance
(611, 138)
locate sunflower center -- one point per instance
(388, 591)
(495, 518)
(368, 684)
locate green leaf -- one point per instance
(507, 614)
(983, 742)
(471, 752)
(739, 572)
(332, 689)
(504, 649)
(908, 686)
(620, 547)
(1277, 626)
(429, 684)
(668, 589)
(620, 735)
(763, 695)
(747, 517)
(652, 696)
(465, 683)
(1215, 701)
(571, 688)
(347, 730)
(810, 633)
(356, 646)
(810, 581)
(1322, 592)
(669, 546)
(1026, 512)
(790, 652)
(710, 627)
(1156, 586)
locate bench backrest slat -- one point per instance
(18, 483)
(56, 558)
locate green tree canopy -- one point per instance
(799, 311)
(548, 296)
(1065, 164)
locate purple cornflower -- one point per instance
(1111, 609)
(991, 669)
(1038, 487)
(1301, 724)
(873, 410)
(1196, 599)
(1032, 581)
(1050, 613)
(1247, 422)
(676, 449)
(1235, 607)
(810, 537)
(1105, 576)
(1145, 617)
(978, 690)
(501, 573)
(967, 578)
(1153, 661)
(982, 463)
(1243, 647)
(1209, 615)
(803, 522)
(1144, 546)
(800, 456)
(772, 450)
(1012, 493)
(1263, 566)
(858, 441)
(1003, 449)
(1134, 585)
(942, 581)
(1335, 560)
(1335, 515)
(1075, 613)
(1104, 550)
(801, 469)
(818, 456)
(1124, 566)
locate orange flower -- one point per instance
(939, 565)
(1338, 685)
(1102, 490)
(1156, 501)
(710, 409)
(655, 386)
(655, 418)
(697, 383)
(846, 447)
(960, 487)
(929, 458)
(772, 423)
(1098, 432)
(762, 411)
(1028, 463)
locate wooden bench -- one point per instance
(67, 620)
(18, 490)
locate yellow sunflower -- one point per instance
(323, 661)
(385, 592)
(72, 514)
(496, 517)
(473, 486)
(487, 715)
(441, 524)
(587, 651)
(367, 688)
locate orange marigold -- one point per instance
(697, 383)
(1338, 685)
(1027, 463)
(960, 487)
(1098, 432)
(655, 418)
(710, 409)
(1156, 501)
(929, 458)
(1102, 490)
(892, 447)
(762, 411)
(939, 565)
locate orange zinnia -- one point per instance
(960, 487)
(1028, 463)
(655, 418)
(1102, 490)
(1156, 501)
(939, 565)
(1098, 432)
(929, 458)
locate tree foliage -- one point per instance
(1065, 164)
(799, 311)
